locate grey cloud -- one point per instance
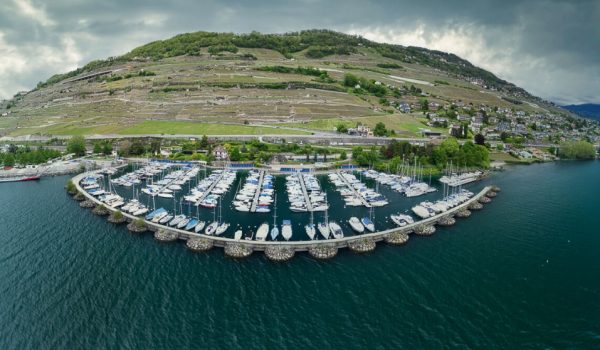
(548, 47)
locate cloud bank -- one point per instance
(548, 47)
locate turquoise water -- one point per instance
(522, 273)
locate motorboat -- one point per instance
(336, 230)
(356, 224)
(286, 229)
(262, 232)
(211, 228)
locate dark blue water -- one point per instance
(522, 273)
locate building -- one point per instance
(360, 130)
(220, 153)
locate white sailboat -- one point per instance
(310, 228)
(262, 232)
(275, 229)
(356, 224)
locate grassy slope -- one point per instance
(91, 109)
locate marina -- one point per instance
(339, 233)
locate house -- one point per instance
(429, 133)
(220, 153)
(463, 117)
(360, 130)
(404, 107)
(434, 106)
(525, 154)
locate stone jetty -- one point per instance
(101, 210)
(396, 238)
(87, 204)
(491, 194)
(484, 199)
(447, 221)
(465, 213)
(197, 244)
(237, 250)
(496, 189)
(279, 253)
(475, 206)
(363, 245)
(425, 230)
(137, 226)
(323, 251)
(116, 217)
(165, 235)
(79, 197)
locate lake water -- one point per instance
(522, 273)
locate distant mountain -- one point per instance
(588, 110)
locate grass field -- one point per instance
(191, 128)
(401, 123)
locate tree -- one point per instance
(107, 148)
(479, 140)
(380, 129)
(577, 150)
(9, 160)
(350, 80)
(204, 142)
(76, 145)
(97, 148)
(424, 104)
(341, 128)
(307, 151)
(235, 155)
(343, 155)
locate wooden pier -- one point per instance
(307, 201)
(356, 194)
(210, 188)
(261, 179)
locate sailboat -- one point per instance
(275, 229)
(356, 224)
(368, 221)
(223, 226)
(310, 228)
(324, 226)
(212, 227)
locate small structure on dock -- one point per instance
(363, 245)
(237, 250)
(425, 230)
(323, 252)
(101, 210)
(447, 221)
(279, 253)
(465, 213)
(165, 235)
(198, 244)
(396, 238)
(87, 204)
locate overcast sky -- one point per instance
(549, 47)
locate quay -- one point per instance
(356, 194)
(282, 250)
(307, 201)
(261, 179)
(210, 188)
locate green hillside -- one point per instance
(299, 82)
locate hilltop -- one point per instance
(293, 83)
